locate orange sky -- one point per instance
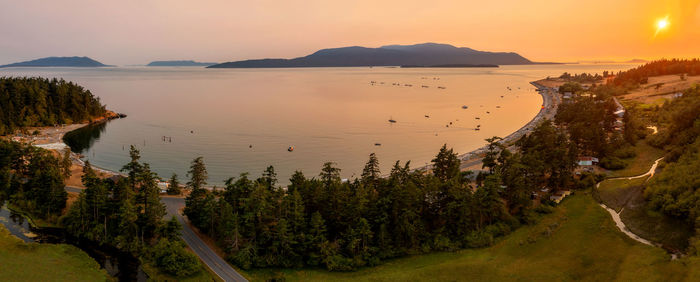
(139, 31)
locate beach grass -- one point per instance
(579, 241)
(21, 261)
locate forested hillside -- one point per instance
(37, 101)
(661, 67)
(676, 190)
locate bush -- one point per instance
(625, 153)
(544, 209)
(612, 163)
(172, 258)
(498, 229)
(479, 239)
(338, 263)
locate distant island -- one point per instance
(58, 62)
(426, 54)
(180, 63)
(452, 66)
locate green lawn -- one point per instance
(646, 155)
(20, 261)
(579, 241)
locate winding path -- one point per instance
(201, 249)
(616, 215)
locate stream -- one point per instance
(616, 215)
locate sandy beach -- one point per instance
(51, 138)
(551, 101)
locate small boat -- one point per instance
(441, 87)
(488, 112)
(427, 116)
(501, 96)
(291, 148)
(377, 144)
(476, 128)
(498, 107)
(464, 107)
(391, 120)
(424, 86)
(477, 118)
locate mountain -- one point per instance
(58, 62)
(425, 54)
(182, 63)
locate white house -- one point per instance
(583, 161)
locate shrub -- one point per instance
(479, 239)
(625, 153)
(498, 229)
(544, 209)
(612, 163)
(172, 258)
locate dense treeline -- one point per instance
(676, 189)
(32, 179)
(641, 74)
(37, 101)
(584, 77)
(342, 225)
(128, 214)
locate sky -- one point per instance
(129, 32)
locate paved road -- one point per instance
(206, 254)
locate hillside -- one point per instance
(58, 62)
(180, 63)
(425, 54)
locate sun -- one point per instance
(661, 24)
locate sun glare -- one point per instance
(661, 24)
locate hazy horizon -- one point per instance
(137, 32)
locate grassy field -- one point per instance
(646, 155)
(20, 261)
(617, 192)
(579, 241)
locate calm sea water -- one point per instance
(327, 114)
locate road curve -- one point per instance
(201, 249)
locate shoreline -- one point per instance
(550, 104)
(53, 139)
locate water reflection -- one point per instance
(81, 139)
